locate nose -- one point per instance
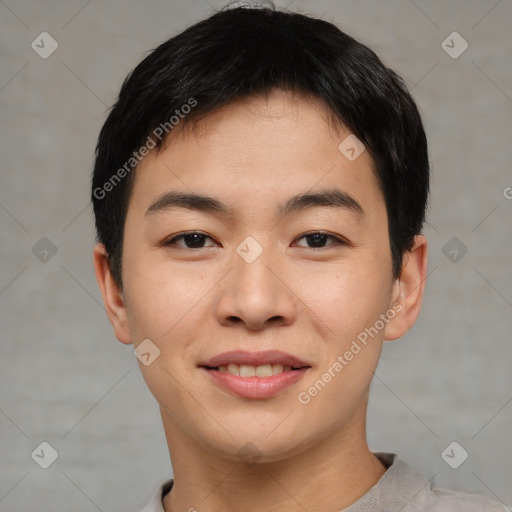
(256, 294)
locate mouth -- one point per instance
(255, 375)
(245, 370)
(237, 359)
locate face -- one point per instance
(300, 289)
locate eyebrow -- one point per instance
(331, 197)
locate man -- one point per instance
(259, 190)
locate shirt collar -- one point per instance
(399, 488)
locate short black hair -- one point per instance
(241, 52)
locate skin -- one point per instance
(310, 302)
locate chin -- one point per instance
(255, 448)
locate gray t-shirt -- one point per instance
(400, 489)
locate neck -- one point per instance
(330, 475)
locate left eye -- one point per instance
(195, 240)
(318, 239)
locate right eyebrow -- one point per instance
(196, 202)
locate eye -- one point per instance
(192, 240)
(196, 240)
(317, 238)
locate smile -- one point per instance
(255, 375)
(251, 386)
(245, 370)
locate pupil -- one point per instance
(196, 240)
(318, 238)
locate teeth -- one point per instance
(263, 370)
(245, 370)
(234, 369)
(277, 368)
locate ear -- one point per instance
(407, 294)
(112, 296)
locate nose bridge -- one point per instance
(251, 273)
(254, 293)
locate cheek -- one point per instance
(161, 304)
(347, 298)
(166, 301)
(349, 303)
(164, 306)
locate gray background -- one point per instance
(64, 377)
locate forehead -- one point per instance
(256, 153)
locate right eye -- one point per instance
(192, 240)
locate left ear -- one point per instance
(408, 290)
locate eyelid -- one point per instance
(170, 241)
(339, 240)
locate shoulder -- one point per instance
(403, 488)
(447, 500)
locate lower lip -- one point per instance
(257, 387)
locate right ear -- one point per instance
(112, 295)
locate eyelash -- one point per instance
(338, 240)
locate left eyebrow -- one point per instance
(331, 197)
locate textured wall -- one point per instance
(65, 379)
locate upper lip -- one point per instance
(254, 359)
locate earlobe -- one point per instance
(112, 296)
(408, 289)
